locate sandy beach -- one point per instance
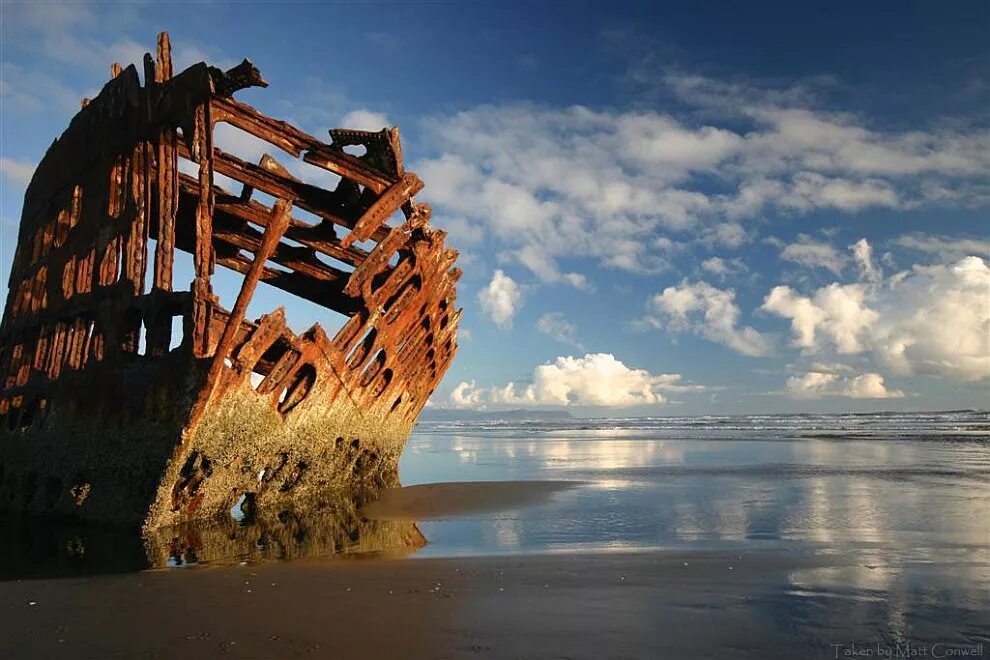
(638, 605)
(426, 501)
(573, 543)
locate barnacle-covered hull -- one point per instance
(127, 400)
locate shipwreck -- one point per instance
(127, 399)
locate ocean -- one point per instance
(896, 506)
(916, 485)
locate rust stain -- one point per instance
(95, 390)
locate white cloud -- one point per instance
(552, 183)
(247, 147)
(17, 171)
(661, 141)
(812, 383)
(556, 326)
(501, 299)
(242, 144)
(466, 395)
(812, 190)
(597, 379)
(706, 311)
(364, 120)
(817, 384)
(731, 235)
(836, 313)
(929, 320)
(716, 266)
(870, 386)
(863, 254)
(810, 253)
(722, 268)
(791, 133)
(946, 248)
(461, 231)
(936, 320)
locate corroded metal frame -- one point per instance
(99, 404)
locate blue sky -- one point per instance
(661, 210)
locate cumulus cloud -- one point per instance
(547, 183)
(709, 312)
(501, 299)
(817, 384)
(466, 395)
(556, 326)
(836, 313)
(364, 120)
(597, 379)
(928, 320)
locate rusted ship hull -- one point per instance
(105, 415)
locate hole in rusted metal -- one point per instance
(185, 491)
(244, 508)
(177, 334)
(294, 394)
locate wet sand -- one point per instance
(641, 605)
(758, 600)
(428, 501)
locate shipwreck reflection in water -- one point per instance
(38, 548)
